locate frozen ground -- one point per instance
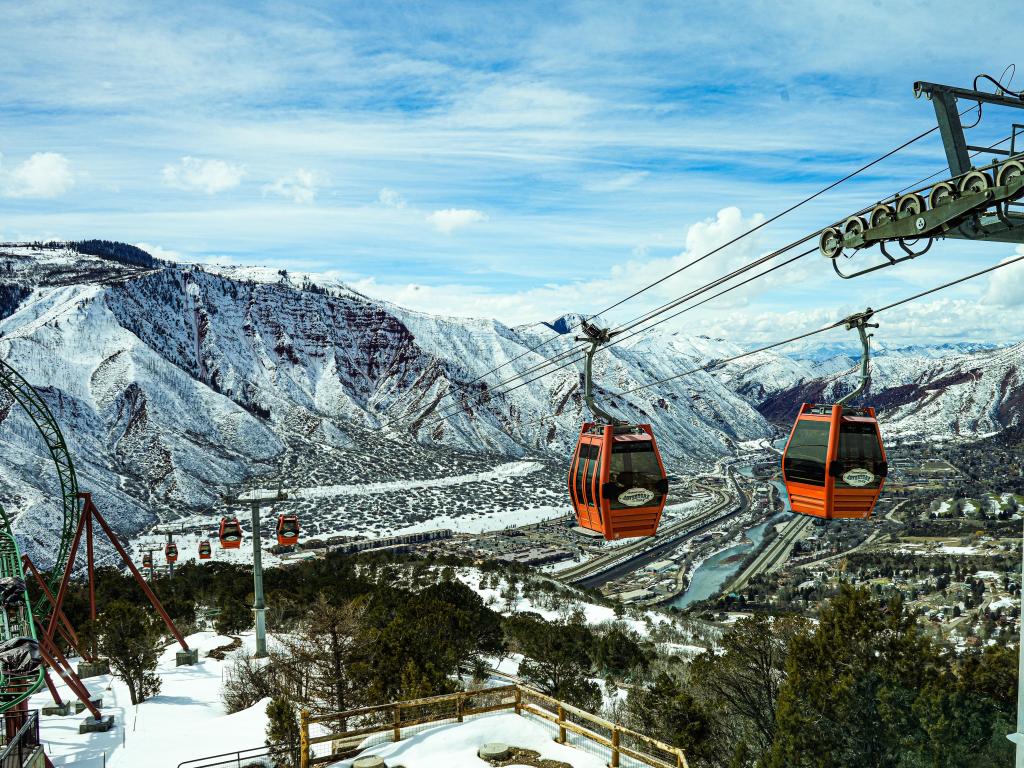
(455, 746)
(185, 721)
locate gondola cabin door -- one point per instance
(834, 465)
(617, 482)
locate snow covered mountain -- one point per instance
(964, 391)
(172, 381)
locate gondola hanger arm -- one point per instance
(859, 320)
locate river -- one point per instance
(713, 573)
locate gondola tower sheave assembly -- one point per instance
(617, 482)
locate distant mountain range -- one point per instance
(173, 380)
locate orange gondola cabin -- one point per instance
(617, 482)
(230, 533)
(287, 530)
(171, 552)
(834, 465)
(147, 560)
(205, 550)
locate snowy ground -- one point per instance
(185, 721)
(510, 469)
(455, 746)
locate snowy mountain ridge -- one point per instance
(173, 381)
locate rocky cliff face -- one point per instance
(964, 394)
(171, 381)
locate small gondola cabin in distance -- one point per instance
(230, 533)
(834, 464)
(287, 530)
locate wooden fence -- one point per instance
(391, 720)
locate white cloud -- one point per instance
(197, 175)
(546, 302)
(299, 187)
(162, 253)
(521, 105)
(43, 175)
(616, 183)
(1006, 286)
(451, 219)
(391, 198)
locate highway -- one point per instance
(776, 553)
(633, 557)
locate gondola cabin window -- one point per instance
(807, 452)
(634, 467)
(859, 449)
(592, 466)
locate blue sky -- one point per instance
(514, 160)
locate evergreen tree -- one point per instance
(666, 710)
(130, 637)
(557, 659)
(741, 679)
(234, 617)
(319, 655)
(283, 731)
(852, 688)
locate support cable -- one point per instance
(718, 363)
(684, 267)
(621, 339)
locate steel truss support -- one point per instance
(58, 621)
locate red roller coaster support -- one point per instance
(89, 510)
(58, 621)
(67, 631)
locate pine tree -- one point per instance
(131, 639)
(851, 686)
(318, 657)
(283, 731)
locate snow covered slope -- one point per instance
(965, 393)
(173, 381)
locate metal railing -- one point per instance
(257, 757)
(20, 738)
(330, 737)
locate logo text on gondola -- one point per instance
(858, 477)
(636, 497)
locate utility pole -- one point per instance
(255, 498)
(1018, 737)
(170, 565)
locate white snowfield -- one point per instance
(593, 614)
(501, 472)
(455, 746)
(494, 519)
(185, 721)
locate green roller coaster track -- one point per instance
(14, 690)
(15, 623)
(37, 409)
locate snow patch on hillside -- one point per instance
(501, 472)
